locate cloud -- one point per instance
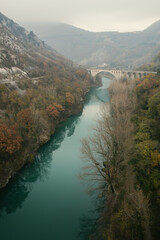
(95, 15)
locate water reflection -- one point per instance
(10, 199)
(87, 226)
(89, 223)
(13, 196)
(102, 95)
(58, 197)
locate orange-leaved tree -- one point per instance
(10, 141)
(52, 111)
(58, 107)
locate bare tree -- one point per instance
(108, 153)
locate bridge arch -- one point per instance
(115, 74)
(110, 74)
(119, 74)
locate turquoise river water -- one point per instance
(46, 200)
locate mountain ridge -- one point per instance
(116, 49)
(16, 42)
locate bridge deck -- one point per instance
(119, 73)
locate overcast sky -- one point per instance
(94, 15)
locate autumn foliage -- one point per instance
(70, 99)
(25, 119)
(39, 100)
(35, 105)
(79, 91)
(123, 160)
(58, 107)
(10, 142)
(52, 111)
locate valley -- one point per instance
(127, 50)
(79, 138)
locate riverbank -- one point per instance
(47, 194)
(124, 155)
(25, 156)
(28, 121)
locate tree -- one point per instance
(158, 71)
(69, 99)
(10, 141)
(108, 156)
(15, 101)
(52, 111)
(25, 119)
(58, 107)
(79, 91)
(154, 106)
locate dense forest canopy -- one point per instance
(123, 158)
(39, 88)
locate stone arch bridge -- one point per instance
(119, 74)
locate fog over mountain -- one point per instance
(21, 48)
(92, 15)
(116, 49)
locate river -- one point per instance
(46, 200)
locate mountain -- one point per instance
(154, 28)
(21, 48)
(39, 89)
(154, 65)
(115, 49)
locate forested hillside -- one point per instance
(154, 65)
(124, 161)
(38, 90)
